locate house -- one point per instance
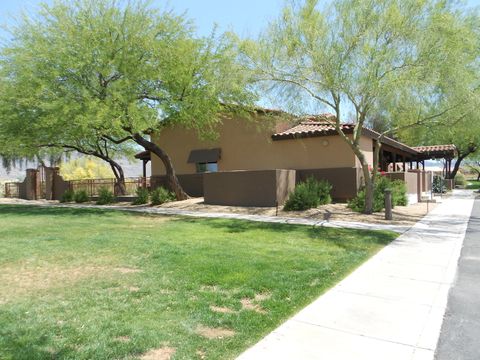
(242, 164)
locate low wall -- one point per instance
(411, 181)
(59, 186)
(345, 181)
(191, 183)
(248, 188)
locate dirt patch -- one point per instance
(248, 304)
(222, 310)
(214, 333)
(127, 270)
(133, 289)
(262, 296)
(23, 281)
(164, 353)
(402, 215)
(201, 354)
(123, 339)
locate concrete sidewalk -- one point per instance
(257, 218)
(392, 307)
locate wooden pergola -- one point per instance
(145, 157)
(437, 152)
(400, 157)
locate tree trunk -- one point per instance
(119, 187)
(172, 181)
(369, 189)
(478, 177)
(457, 165)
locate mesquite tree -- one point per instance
(360, 56)
(122, 71)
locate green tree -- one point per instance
(121, 71)
(85, 168)
(369, 57)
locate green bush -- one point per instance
(105, 196)
(161, 195)
(67, 196)
(81, 196)
(142, 196)
(399, 195)
(309, 194)
(438, 185)
(460, 179)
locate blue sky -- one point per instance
(245, 17)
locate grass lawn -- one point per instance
(95, 284)
(473, 184)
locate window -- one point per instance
(207, 167)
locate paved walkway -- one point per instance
(460, 334)
(392, 307)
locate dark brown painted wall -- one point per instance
(191, 183)
(248, 188)
(345, 181)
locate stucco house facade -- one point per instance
(266, 142)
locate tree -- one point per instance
(123, 70)
(85, 168)
(368, 56)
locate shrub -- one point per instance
(142, 196)
(438, 185)
(460, 179)
(309, 194)
(67, 196)
(105, 197)
(399, 195)
(81, 196)
(161, 195)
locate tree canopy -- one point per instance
(105, 70)
(368, 57)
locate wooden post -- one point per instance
(388, 204)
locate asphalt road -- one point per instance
(460, 336)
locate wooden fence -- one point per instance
(12, 190)
(92, 187)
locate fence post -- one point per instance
(388, 204)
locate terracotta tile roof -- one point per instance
(436, 148)
(311, 128)
(324, 125)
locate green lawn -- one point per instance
(473, 184)
(94, 284)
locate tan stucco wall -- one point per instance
(366, 145)
(247, 145)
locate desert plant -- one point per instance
(105, 196)
(81, 196)
(161, 195)
(67, 196)
(439, 185)
(142, 196)
(309, 194)
(399, 195)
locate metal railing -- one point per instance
(93, 186)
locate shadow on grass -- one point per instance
(232, 226)
(35, 210)
(336, 235)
